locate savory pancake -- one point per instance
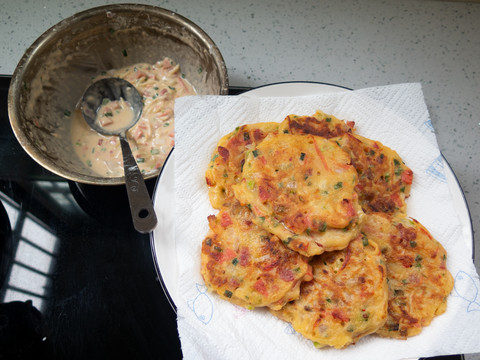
(227, 160)
(347, 298)
(319, 124)
(301, 188)
(248, 266)
(384, 179)
(418, 279)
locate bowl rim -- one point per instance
(26, 59)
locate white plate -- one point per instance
(163, 237)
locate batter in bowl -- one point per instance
(152, 138)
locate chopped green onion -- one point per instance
(365, 241)
(338, 185)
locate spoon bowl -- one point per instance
(104, 92)
(111, 89)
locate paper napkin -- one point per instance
(395, 115)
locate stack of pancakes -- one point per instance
(313, 224)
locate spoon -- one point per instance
(114, 89)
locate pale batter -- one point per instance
(152, 138)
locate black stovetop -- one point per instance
(76, 280)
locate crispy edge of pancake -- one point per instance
(312, 244)
(246, 265)
(418, 278)
(318, 124)
(384, 178)
(345, 301)
(227, 160)
(261, 190)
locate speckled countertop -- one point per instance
(347, 42)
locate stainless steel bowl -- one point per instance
(54, 72)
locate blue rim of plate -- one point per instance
(152, 240)
(152, 243)
(466, 205)
(298, 82)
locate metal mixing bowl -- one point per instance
(55, 71)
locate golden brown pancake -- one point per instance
(301, 188)
(384, 179)
(418, 279)
(347, 298)
(227, 160)
(319, 124)
(248, 266)
(311, 185)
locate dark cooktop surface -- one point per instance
(76, 280)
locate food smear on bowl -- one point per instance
(152, 138)
(115, 115)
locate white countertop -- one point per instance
(346, 42)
